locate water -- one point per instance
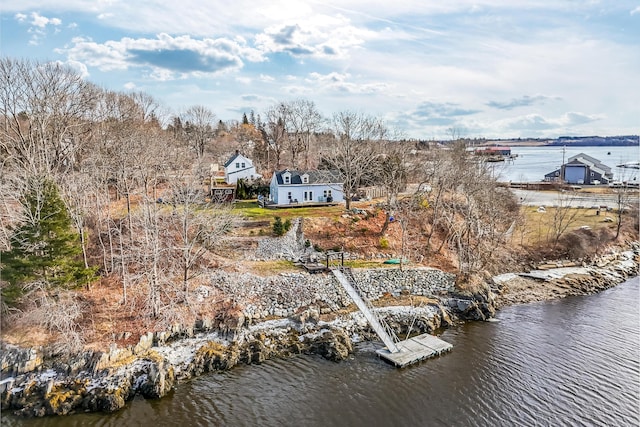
(533, 163)
(570, 362)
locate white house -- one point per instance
(239, 167)
(318, 186)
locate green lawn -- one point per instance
(250, 210)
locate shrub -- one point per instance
(287, 225)
(384, 243)
(278, 226)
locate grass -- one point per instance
(250, 210)
(539, 225)
(269, 268)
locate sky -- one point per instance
(431, 69)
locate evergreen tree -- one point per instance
(278, 226)
(245, 121)
(45, 247)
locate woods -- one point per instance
(109, 186)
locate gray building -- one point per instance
(581, 169)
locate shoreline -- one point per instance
(38, 383)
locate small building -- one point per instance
(306, 187)
(494, 151)
(581, 169)
(222, 194)
(239, 167)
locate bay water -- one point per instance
(569, 362)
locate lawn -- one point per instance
(249, 209)
(538, 225)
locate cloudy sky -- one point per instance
(485, 68)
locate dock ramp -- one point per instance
(399, 353)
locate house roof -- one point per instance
(233, 159)
(591, 161)
(315, 177)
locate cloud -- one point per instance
(42, 21)
(342, 83)
(320, 36)
(536, 122)
(441, 109)
(38, 25)
(524, 101)
(635, 11)
(166, 57)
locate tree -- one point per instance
(564, 216)
(304, 121)
(45, 112)
(45, 247)
(354, 149)
(276, 132)
(198, 125)
(391, 172)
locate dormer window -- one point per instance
(305, 179)
(287, 179)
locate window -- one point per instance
(287, 179)
(289, 195)
(243, 164)
(305, 179)
(310, 195)
(306, 196)
(237, 165)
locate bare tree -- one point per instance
(276, 132)
(391, 171)
(199, 124)
(303, 122)
(354, 149)
(44, 113)
(194, 229)
(564, 216)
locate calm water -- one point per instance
(572, 362)
(534, 162)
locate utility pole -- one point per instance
(562, 168)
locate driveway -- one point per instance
(573, 199)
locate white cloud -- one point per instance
(167, 57)
(635, 11)
(42, 21)
(38, 26)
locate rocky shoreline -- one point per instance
(308, 314)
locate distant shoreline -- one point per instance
(554, 144)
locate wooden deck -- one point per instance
(268, 205)
(415, 349)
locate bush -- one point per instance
(287, 225)
(384, 243)
(278, 226)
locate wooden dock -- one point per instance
(415, 349)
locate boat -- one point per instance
(629, 165)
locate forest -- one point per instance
(82, 169)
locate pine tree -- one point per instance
(278, 226)
(45, 247)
